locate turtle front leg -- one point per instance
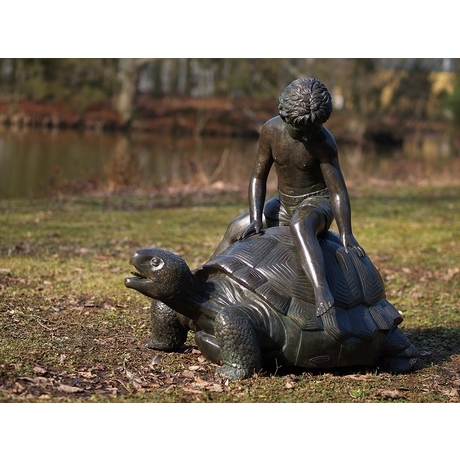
(168, 334)
(239, 344)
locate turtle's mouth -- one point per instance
(136, 281)
(138, 275)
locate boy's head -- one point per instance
(305, 103)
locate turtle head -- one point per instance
(159, 274)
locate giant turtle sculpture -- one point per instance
(252, 306)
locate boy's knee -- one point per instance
(310, 220)
(235, 227)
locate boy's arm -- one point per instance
(326, 152)
(340, 202)
(258, 185)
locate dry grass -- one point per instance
(71, 331)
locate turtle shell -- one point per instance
(268, 264)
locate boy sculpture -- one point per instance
(311, 187)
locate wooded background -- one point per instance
(415, 88)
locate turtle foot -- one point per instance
(234, 373)
(399, 355)
(239, 344)
(401, 365)
(168, 334)
(164, 346)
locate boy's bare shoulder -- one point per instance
(271, 126)
(327, 138)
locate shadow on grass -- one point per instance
(436, 345)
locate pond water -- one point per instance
(41, 163)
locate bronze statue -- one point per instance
(281, 289)
(311, 188)
(252, 307)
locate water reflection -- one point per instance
(41, 163)
(32, 164)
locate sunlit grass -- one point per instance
(65, 308)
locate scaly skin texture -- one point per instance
(239, 344)
(167, 332)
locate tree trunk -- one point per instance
(130, 69)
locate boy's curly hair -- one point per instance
(304, 102)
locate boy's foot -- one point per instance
(324, 304)
(323, 307)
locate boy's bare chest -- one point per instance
(294, 156)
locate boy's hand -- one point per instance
(254, 227)
(349, 241)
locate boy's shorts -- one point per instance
(280, 210)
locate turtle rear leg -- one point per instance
(399, 355)
(168, 334)
(239, 344)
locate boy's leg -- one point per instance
(307, 222)
(271, 218)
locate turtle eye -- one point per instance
(156, 263)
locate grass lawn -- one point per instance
(70, 331)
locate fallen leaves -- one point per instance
(195, 379)
(69, 389)
(392, 394)
(198, 380)
(49, 383)
(451, 272)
